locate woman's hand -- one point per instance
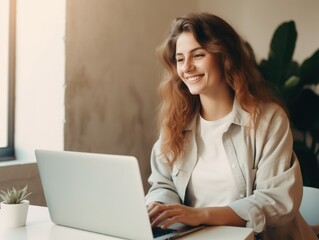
(169, 214)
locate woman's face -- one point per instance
(198, 68)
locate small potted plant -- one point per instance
(14, 207)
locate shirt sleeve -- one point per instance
(277, 191)
(162, 186)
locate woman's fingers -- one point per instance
(166, 214)
(152, 205)
(153, 209)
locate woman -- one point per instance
(224, 155)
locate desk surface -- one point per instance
(40, 227)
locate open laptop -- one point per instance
(101, 193)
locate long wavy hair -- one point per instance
(238, 66)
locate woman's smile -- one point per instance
(195, 78)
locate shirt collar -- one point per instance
(238, 116)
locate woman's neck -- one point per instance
(216, 107)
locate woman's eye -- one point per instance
(179, 60)
(198, 55)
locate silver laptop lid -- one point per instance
(96, 192)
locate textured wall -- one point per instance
(21, 175)
(112, 74)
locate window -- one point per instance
(7, 77)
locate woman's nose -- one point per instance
(188, 66)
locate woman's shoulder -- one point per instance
(272, 112)
(272, 108)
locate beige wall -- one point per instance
(112, 74)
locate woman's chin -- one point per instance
(193, 91)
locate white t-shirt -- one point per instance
(212, 182)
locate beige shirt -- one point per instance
(266, 172)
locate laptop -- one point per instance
(101, 193)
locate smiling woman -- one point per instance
(224, 155)
(7, 69)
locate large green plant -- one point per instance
(294, 83)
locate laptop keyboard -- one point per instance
(157, 231)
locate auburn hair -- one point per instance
(238, 67)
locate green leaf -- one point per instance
(309, 70)
(281, 51)
(263, 68)
(292, 81)
(293, 69)
(305, 115)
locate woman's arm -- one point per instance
(169, 214)
(277, 188)
(162, 186)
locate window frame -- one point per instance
(7, 153)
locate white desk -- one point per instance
(40, 227)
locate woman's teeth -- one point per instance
(195, 78)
